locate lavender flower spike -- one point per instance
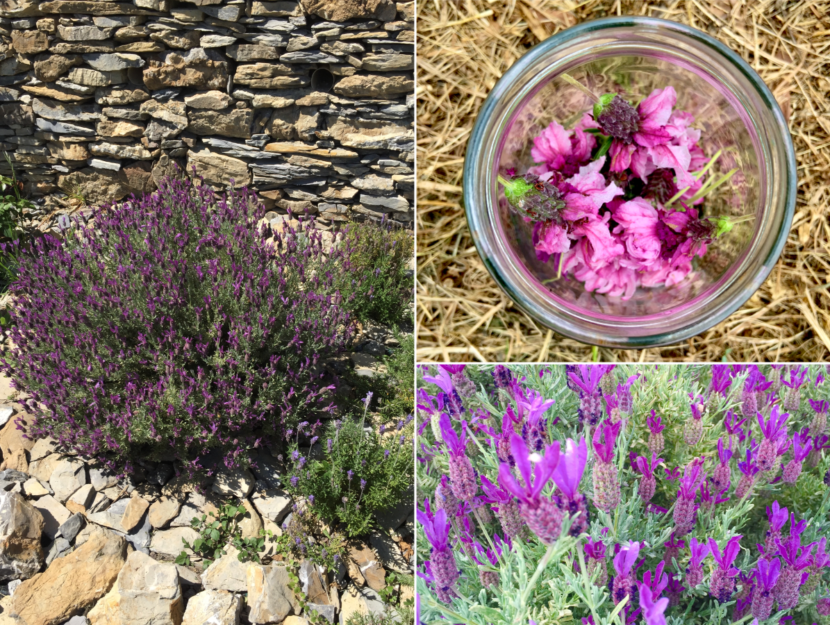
(694, 572)
(766, 577)
(685, 512)
(567, 476)
(606, 482)
(777, 517)
(802, 446)
(796, 559)
(722, 584)
(442, 561)
(648, 482)
(722, 477)
(462, 475)
(772, 429)
(653, 610)
(541, 514)
(624, 563)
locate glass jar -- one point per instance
(737, 115)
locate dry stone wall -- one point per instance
(310, 102)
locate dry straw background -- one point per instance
(464, 46)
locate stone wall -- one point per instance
(310, 102)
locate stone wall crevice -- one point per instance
(100, 99)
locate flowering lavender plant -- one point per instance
(173, 326)
(602, 530)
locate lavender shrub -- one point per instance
(172, 327)
(729, 523)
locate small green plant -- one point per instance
(362, 471)
(218, 531)
(397, 396)
(391, 592)
(12, 203)
(311, 615)
(378, 286)
(392, 616)
(304, 537)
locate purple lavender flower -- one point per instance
(721, 380)
(722, 476)
(530, 406)
(694, 572)
(350, 474)
(567, 476)
(462, 474)
(442, 561)
(796, 559)
(772, 429)
(722, 584)
(685, 512)
(542, 514)
(693, 430)
(595, 551)
(587, 378)
(445, 499)
(802, 445)
(797, 378)
(507, 509)
(624, 582)
(653, 608)
(362, 484)
(733, 426)
(606, 482)
(502, 377)
(777, 517)
(820, 560)
(819, 423)
(749, 469)
(656, 442)
(673, 547)
(624, 394)
(766, 577)
(648, 483)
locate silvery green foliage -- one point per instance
(552, 585)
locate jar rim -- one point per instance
(649, 331)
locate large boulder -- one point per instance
(227, 573)
(269, 595)
(21, 525)
(95, 185)
(72, 583)
(150, 592)
(362, 86)
(217, 169)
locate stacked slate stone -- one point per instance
(310, 102)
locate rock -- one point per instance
(269, 596)
(326, 611)
(19, 8)
(163, 511)
(17, 460)
(82, 33)
(33, 487)
(361, 86)
(344, 10)
(313, 583)
(11, 438)
(21, 525)
(140, 47)
(15, 114)
(371, 569)
(213, 100)
(29, 41)
(118, 150)
(216, 41)
(173, 39)
(113, 62)
(119, 128)
(217, 169)
(77, 620)
(6, 413)
(70, 528)
(253, 52)
(108, 609)
(387, 62)
(251, 524)
(101, 478)
(389, 553)
(68, 151)
(384, 204)
(72, 583)
(199, 68)
(374, 184)
(81, 499)
(119, 96)
(227, 573)
(169, 542)
(268, 76)
(134, 512)
(94, 7)
(69, 475)
(111, 517)
(273, 504)
(94, 78)
(150, 592)
(363, 601)
(308, 57)
(54, 90)
(64, 128)
(371, 135)
(188, 511)
(42, 469)
(59, 548)
(233, 123)
(288, 8)
(216, 607)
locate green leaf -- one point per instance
(214, 535)
(604, 101)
